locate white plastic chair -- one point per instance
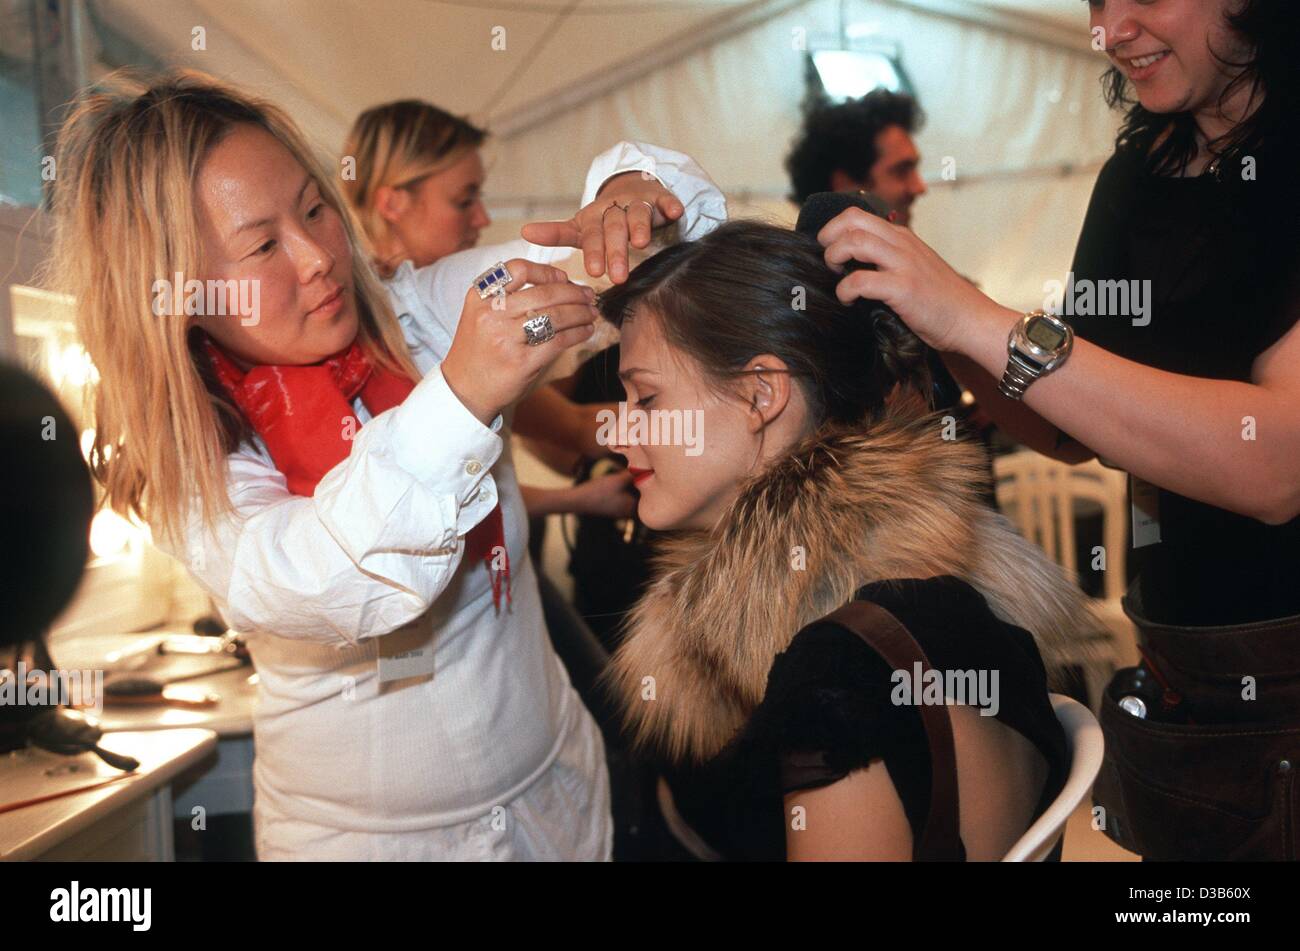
(1039, 495)
(686, 837)
(1084, 740)
(1083, 734)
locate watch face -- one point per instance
(1042, 333)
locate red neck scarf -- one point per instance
(304, 415)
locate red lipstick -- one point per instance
(639, 475)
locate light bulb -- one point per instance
(109, 534)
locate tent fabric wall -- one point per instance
(1012, 113)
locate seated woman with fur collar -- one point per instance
(821, 479)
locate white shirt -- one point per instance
(494, 755)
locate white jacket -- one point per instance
(493, 756)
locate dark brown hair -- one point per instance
(842, 137)
(1271, 28)
(749, 288)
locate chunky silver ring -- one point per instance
(493, 281)
(538, 330)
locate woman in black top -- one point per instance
(1173, 395)
(1225, 288)
(1196, 393)
(828, 711)
(809, 485)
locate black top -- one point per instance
(828, 711)
(1223, 259)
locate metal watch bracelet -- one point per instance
(1017, 377)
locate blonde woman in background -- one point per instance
(418, 185)
(327, 469)
(418, 193)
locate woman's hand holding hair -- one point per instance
(1184, 434)
(938, 304)
(490, 365)
(624, 213)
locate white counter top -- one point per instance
(31, 831)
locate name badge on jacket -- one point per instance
(1146, 512)
(407, 651)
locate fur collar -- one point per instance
(894, 500)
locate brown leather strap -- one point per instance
(940, 840)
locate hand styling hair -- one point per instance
(750, 288)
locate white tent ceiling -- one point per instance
(1069, 14)
(336, 57)
(1009, 86)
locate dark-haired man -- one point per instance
(862, 144)
(866, 145)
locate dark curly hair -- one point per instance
(843, 137)
(749, 288)
(1272, 29)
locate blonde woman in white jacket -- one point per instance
(328, 467)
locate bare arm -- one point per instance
(859, 818)
(609, 496)
(1015, 418)
(547, 414)
(1229, 444)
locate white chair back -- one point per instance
(1083, 734)
(1039, 495)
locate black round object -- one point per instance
(46, 503)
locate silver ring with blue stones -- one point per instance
(493, 281)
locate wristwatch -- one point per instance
(1037, 345)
